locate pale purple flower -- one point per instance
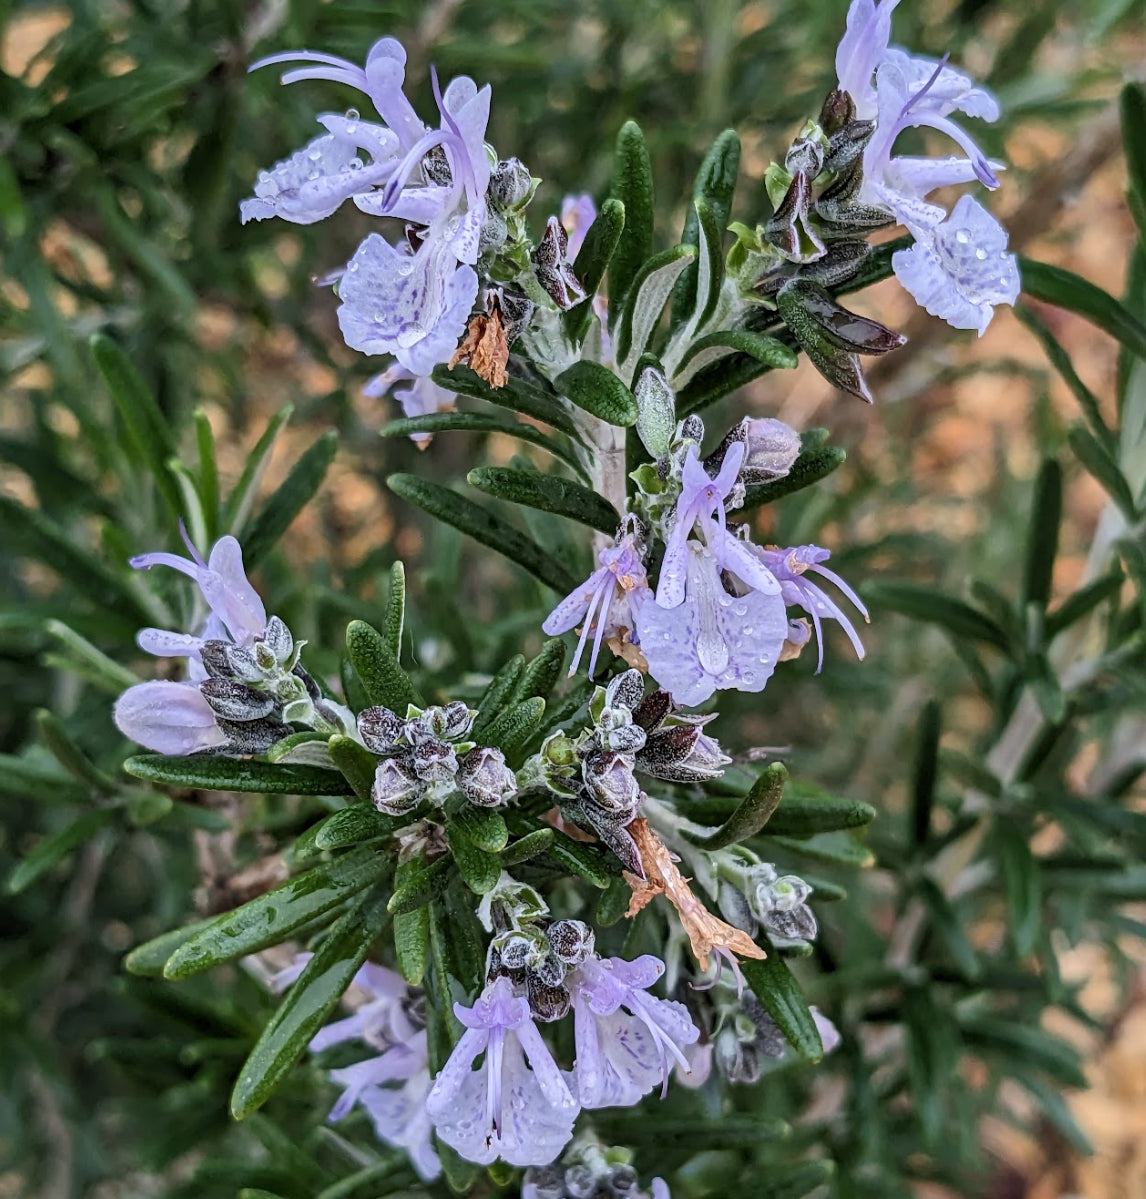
(412, 304)
(960, 269)
(400, 1119)
(224, 585)
(464, 111)
(701, 507)
(418, 395)
(606, 601)
(627, 1040)
(712, 640)
(829, 1035)
(791, 567)
(313, 182)
(505, 1109)
(383, 1021)
(167, 717)
(382, 79)
(577, 214)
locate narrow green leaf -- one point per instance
(483, 826)
(309, 1002)
(1102, 465)
(483, 422)
(932, 1056)
(1084, 601)
(945, 921)
(148, 959)
(421, 886)
(841, 849)
(354, 826)
(777, 989)
(633, 186)
(1060, 360)
(93, 664)
(1065, 289)
(518, 395)
(479, 869)
(646, 301)
(1042, 535)
(411, 944)
(715, 184)
(146, 428)
(807, 809)
(411, 929)
(65, 750)
(925, 773)
(753, 813)
(1132, 103)
(454, 509)
(595, 389)
(1021, 885)
(239, 502)
(25, 779)
(357, 763)
(810, 467)
(1055, 1108)
(718, 380)
(1030, 1046)
(236, 774)
(208, 474)
(774, 354)
(395, 619)
(793, 1182)
(933, 607)
(289, 499)
(541, 674)
(498, 694)
(548, 493)
(383, 679)
(613, 904)
(730, 1130)
(511, 731)
(591, 263)
(24, 531)
(273, 917)
(589, 862)
(46, 853)
(527, 847)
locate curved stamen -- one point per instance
(470, 181)
(610, 589)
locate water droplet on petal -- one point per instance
(980, 254)
(962, 236)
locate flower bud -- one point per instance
(770, 448)
(278, 640)
(543, 1182)
(626, 690)
(251, 736)
(396, 787)
(519, 950)
(485, 779)
(509, 183)
(581, 1181)
(435, 761)
(838, 109)
(552, 268)
(572, 941)
(381, 730)
(609, 779)
(216, 659)
(546, 1002)
(436, 167)
(805, 154)
(623, 1182)
(234, 701)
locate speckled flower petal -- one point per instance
(712, 640)
(618, 1061)
(962, 270)
(400, 1119)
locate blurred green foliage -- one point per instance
(126, 145)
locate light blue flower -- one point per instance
(628, 1041)
(504, 1109)
(418, 395)
(412, 304)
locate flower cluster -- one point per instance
(245, 689)
(718, 617)
(390, 1021)
(463, 280)
(426, 757)
(586, 1170)
(592, 776)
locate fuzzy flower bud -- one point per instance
(396, 787)
(485, 779)
(380, 729)
(609, 779)
(509, 183)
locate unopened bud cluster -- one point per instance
(426, 757)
